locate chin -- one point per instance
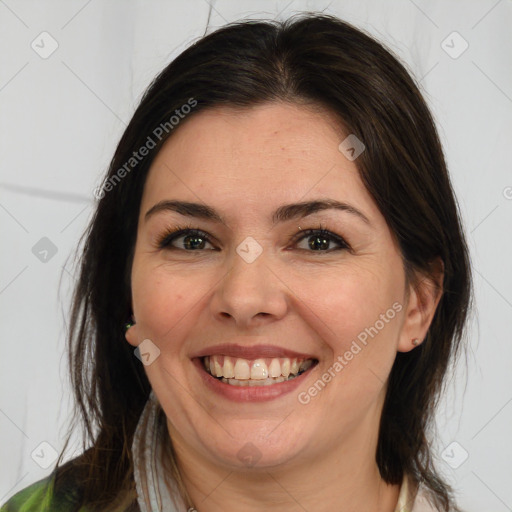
(251, 447)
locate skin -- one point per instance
(246, 163)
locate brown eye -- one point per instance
(319, 240)
(193, 240)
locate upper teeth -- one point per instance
(257, 369)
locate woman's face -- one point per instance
(256, 291)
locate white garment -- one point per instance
(153, 494)
(409, 501)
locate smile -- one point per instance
(236, 371)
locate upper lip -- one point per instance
(251, 352)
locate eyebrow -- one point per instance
(282, 214)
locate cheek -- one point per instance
(358, 316)
(162, 299)
(359, 304)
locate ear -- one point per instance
(424, 296)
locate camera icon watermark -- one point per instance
(147, 352)
(454, 455)
(249, 249)
(454, 45)
(44, 250)
(44, 455)
(249, 454)
(351, 147)
(44, 45)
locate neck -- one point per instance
(286, 492)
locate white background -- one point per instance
(61, 118)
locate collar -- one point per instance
(153, 493)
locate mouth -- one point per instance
(268, 371)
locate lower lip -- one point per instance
(250, 393)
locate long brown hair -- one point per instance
(309, 59)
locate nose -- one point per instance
(250, 294)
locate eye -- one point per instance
(193, 239)
(319, 240)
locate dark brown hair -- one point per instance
(310, 59)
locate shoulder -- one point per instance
(62, 491)
(414, 497)
(45, 494)
(423, 503)
(36, 497)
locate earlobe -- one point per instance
(424, 297)
(131, 336)
(130, 332)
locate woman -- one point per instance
(271, 289)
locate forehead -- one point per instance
(263, 155)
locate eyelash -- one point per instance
(165, 240)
